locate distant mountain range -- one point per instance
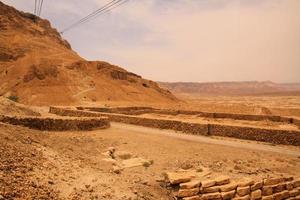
(232, 88)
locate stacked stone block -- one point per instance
(287, 137)
(223, 188)
(57, 124)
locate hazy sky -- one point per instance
(187, 40)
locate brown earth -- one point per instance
(9, 107)
(70, 165)
(39, 67)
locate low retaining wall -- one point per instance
(144, 110)
(258, 134)
(192, 128)
(185, 187)
(59, 124)
(274, 136)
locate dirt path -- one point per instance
(288, 150)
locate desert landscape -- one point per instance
(77, 129)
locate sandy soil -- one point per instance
(69, 165)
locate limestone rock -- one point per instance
(228, 187)
(270, 197)
(192, 198)
(242, 191)
(296, 183)
(188, 192)
(256, 194)
(257, 185)
(267, 190)
(211, 196)
(294, 193)
(289, 185)
(247, 197)
(191, 184)
(210, 189)
(124, 155)
(228, 195)
(279, 187)
(222, 180)
(246, 182)
(273, 181)
(208, 183)
(178, 177)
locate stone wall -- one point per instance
(274, 136)
(144, 110)
(57, 124)
(223, 188)
(289, 137)
(191, 128)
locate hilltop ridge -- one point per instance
(39, 67)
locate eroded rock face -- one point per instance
(40, 72)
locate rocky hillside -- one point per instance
(232, 88)
(38, 67)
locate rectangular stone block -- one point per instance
(296, 183)
(245, 182)
(256, 194)
(270, 197)
(208, 183)
(228, 195)
(279, 187)
(188, 192)
(177, 178)
(222, 180)
(257, 185)
(289, 186)
(273, 181)
(191, 184)
(281, 195)
(192, 198)
(247, 197)
(267, 190)
(228, 187)
(242, 191)
(210, 189)
(211, 196)
(288, 178)
(294, 192)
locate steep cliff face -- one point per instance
(39, 67)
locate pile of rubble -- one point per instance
(187, 186)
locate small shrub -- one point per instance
(13, 98)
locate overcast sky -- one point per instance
(186, 40)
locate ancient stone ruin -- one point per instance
(187, 186)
